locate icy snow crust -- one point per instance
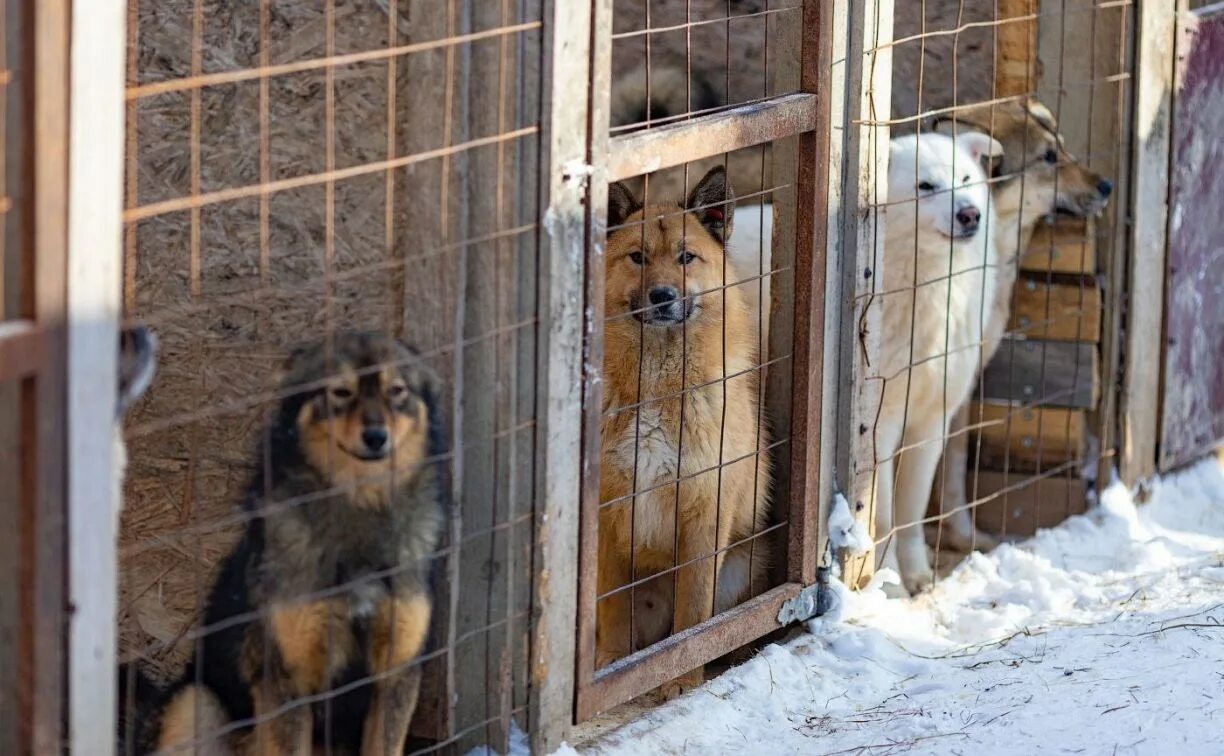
(1101, 636)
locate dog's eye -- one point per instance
(686, 257)
(965, 180)
(636, 258)
(926, 186)
(397, 391)
(1050, 156)
(340, 393)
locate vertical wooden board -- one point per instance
(1192, 411)
(867, 189)
(1149, 206)
(1056, 311)
(427, 282)
(1016, 47)
(564, 235)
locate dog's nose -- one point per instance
(661, 295)
(968, 217)
(374, 438)
(1105, 187)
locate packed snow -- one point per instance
(1102, 636)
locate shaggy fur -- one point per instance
(335, 566)
(1035, 177)
(673, 334)
(939, 277)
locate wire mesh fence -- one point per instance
(994, 276)
(298, 173)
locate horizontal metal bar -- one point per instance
(20, 349)
(684, 651)
(667, 146)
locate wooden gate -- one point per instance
(803, 112)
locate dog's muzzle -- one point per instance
(666, 307)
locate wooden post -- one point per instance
(864, 196)
(1016, 50)
(95, 256)
(566, 230)
(1140, 405)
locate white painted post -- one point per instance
(95, 197)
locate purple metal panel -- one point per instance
(1192, 418)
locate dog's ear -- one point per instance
(137, 363)
(984, 148)
(713, 202)
(621, 204)
(1042, 115)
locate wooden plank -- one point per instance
(1149, 222)
(1054, 373)
(95, 270)
(865, 195)
(44, 529)
(1066, 246)
(20, 349)
(688, 649)
(1056, 311)
(1018, 504)
(559, 432)
(1016, 47)
(1027, 438)
(1192, 403)
(709, 135)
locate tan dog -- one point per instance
(682, 425)
(1035, 177)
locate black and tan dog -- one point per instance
(330, 584)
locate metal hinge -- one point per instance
(812, 601)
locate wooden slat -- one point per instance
(1054, 373)
(1030, 502)
(1139, 410)
(1057, 311)
(1066, 246)
(1028, 437)
(709, 135)
(559, 436)
(684, 651)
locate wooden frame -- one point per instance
(804, 115)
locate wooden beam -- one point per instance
(1066, 246)
(675, 144)
(1057, 311)
(1052, 373)
(1156, 25)
(1019, 504)
(1028, 438)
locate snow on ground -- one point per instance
(1102, 636)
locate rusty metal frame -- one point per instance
(805, 115)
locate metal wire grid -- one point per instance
(1106, 85)
(450, 265)
(747, 279)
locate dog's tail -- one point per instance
(138, 700)
(671, 93)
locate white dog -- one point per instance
(137, 363)
(939, 283)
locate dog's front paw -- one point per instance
(673, 689)
(975, 540)
(918, 581)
